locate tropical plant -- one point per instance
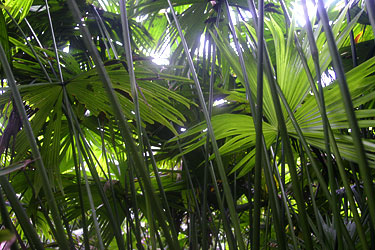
(187, 124)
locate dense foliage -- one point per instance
(193, 124)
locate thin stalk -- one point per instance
(253, 11)
(105, 31)
(61, 239)
(134, 88)
(315, 56)
(321, 106)
(315, 208)
(81, 163)
(91, 165)
(191, 225)
(21, 215)
(86, 154)
(80, 196)
(249, 94)
(204, 204)
(207, 155)
(129, 59)
(251, 205)
(62, 80)
(349, 195)
(30, 46)
(42, 207)
(134, 91)
(287, 145)
(104, 151)
(290, 158)
(230, 237)
(103, 40)
(6, 221)
(189, 179)
(340, 74)
(93, 157)
(220, 166)
(135, 210)
(223, 212)
(160, 185)
(325, 121)
(352, 41)
(69, 232)
(285, 202)
(40, 45)
(91, 201)
(129, 240)
(54, 42)
(267, 224)
(321, 180)
(278, 216)
(124, 128)
(214, 229)
(258, 129)
(319, 230)
(260, 144)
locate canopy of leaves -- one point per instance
(154, 124)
